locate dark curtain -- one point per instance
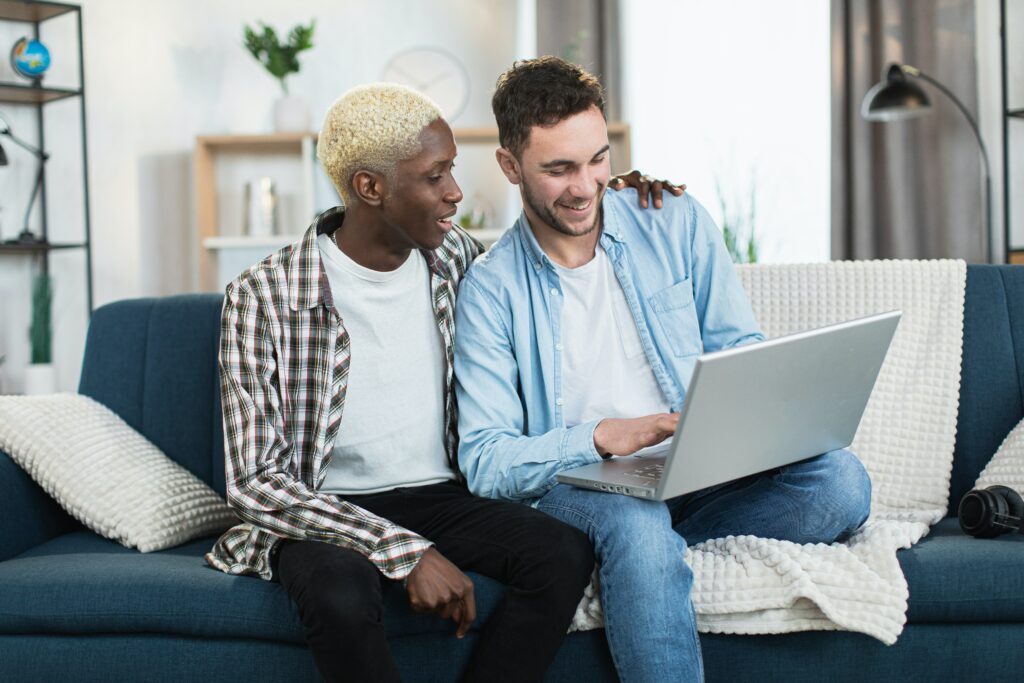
(585, 32)
(905, 189)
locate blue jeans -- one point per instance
(645, 585)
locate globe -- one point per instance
(30, 58)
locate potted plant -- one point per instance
(291, 113)
(39, 376)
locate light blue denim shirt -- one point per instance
(685, 298)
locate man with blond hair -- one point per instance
(340, 423)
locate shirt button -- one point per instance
(536, 266)
(558, 347)
(554, 292)
(558, 401)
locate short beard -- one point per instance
(548, 215)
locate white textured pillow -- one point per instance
(107, 475)
(1007, 466)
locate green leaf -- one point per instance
(738, 226)
(279, 59)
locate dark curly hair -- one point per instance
(541, 92)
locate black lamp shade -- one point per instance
(895, 98)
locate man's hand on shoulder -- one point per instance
(645, 186)
(436, 585)
(618, 436)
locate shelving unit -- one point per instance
(216, 242)
(37, 95)
(211, 236)
(1013, 125)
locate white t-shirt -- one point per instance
(605, 372)
(392, 425)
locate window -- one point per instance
(736, 93)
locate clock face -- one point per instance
(434, 72)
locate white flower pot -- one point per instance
(291, 114)
(40, 378)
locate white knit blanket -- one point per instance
(747, 584)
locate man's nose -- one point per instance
(585, 183)
(454, 194)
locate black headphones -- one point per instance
(985, 513)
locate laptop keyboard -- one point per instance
(649, 471)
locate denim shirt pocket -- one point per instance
(674, 310)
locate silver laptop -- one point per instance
(756, 408)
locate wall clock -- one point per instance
(436, 73)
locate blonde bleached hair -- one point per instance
(371, 128)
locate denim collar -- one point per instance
(611, 231)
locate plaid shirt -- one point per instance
(284, 361)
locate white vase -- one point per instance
(40, 378)
(291, 114)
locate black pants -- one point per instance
(546, 565)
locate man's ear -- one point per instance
(369, 187)
(509, 165)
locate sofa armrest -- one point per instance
(32, 516)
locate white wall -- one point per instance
(160, 73)
(706, 84)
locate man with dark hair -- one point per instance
(577, 335)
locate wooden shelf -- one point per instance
(29, 248)
(302, 145)
(490, 133)
(27, 10)
(19, 93)
(278, 142)
(249, 241)
(248, 144)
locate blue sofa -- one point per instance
(77, 607)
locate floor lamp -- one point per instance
(897, 97)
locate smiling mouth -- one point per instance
(446, 222)
(577, 210)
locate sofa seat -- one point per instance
(955, 578)
(82, 584)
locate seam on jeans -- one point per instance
(696, 641)
(544, 507)
(609, 628)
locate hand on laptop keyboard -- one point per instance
(617, 436)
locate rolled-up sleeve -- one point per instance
(496, 456)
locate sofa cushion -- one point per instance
(80, 583)
(154, 363)
(956, 578)
(1006, 468)
(31, 516)
(106, 474)
(992, 374)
